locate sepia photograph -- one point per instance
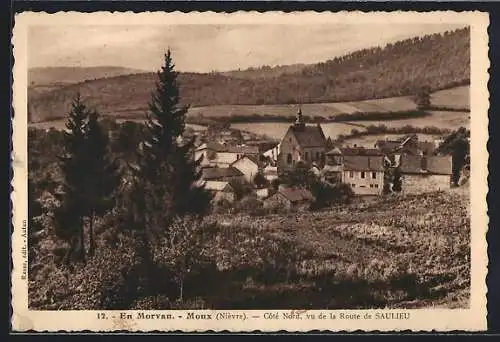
(251, 165)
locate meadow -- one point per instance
(454, 98)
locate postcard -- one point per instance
(250, 171)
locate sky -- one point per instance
(205, 48)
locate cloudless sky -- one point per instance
(203, 48)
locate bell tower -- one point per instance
(299, 121)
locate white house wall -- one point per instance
(248, 168)
(364, 186)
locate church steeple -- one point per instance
(299, 121)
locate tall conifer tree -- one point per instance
(168, 172)
(89, 178)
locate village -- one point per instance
(230, 158)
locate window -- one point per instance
(374, 175)
(289, 158)
(351, 174)
(376, 186)
(307, 156)
(317, 155)
(363, 174)
(353, 185)
(371, 185)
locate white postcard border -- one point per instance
(472, 319)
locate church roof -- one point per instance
(309, 136)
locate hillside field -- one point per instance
(457, 98)
(404, 251)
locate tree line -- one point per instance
(436, 61)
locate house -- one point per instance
(420, 174)
(364, 173)
(301, 143)
(332, 173)
(315, 170)
(289, 197)
(220, 191)
(227, 174)
(248, 166)
(262, 193)
(272, 153)
(215, 154)
(409, 144)
(208, 151)
(270, 173)
(334, 156)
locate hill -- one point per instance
(439, 61)
(265, 71)
(54, 77)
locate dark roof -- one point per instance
(243, 149)
(247, 149)
(426, 146)
(363, 163)
(439, 165)
(309, 136)
(334, 152)
(360, 151)
(212, 146)
(388, 144)
(296, 194)
(411, 164)
(220, 172)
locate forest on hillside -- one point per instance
(436, 61)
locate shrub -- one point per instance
(241, 188)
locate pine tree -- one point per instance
(89, 178)
(70, 215)
(168, 172)
(101, 177)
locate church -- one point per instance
(305, 143)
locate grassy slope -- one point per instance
(369, 253)
(458, 97)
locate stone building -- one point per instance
(420, 174)
(306, 143)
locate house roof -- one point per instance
(363, 163)
(411, 164)
(252, 158)
(331, 168)
(218, 186)
(334, 151)
(309, 136)
(360, 151)
(426, 146)
(439, 165)
(219, 172)
(296, 194)
(243, 149)
(388, 144)
(214, 146)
